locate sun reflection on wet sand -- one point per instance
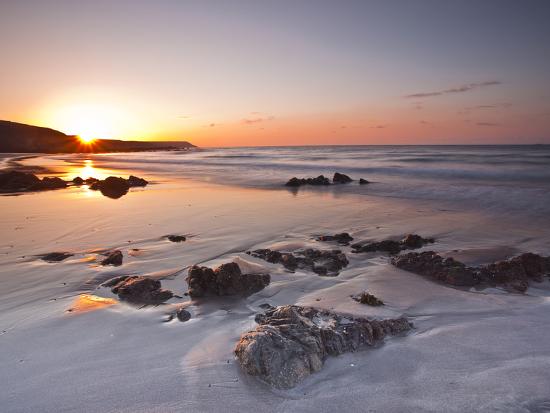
(86, 169)
(89, 302)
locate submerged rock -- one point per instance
(227, 279)
(363, 181)
(339, 178)
(513, 274)
(139, 290)
(409, 242)
(343, 238)
(368, 299)
(113, 258)
(322, 262)
(56, 256)
(292, 342)
(176, 238)
(320, 180)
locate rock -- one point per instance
(516, 272)
(227, 279)
(320, 180)
(78, 181)
(176, 238)
(411, 241)
(432, 265)
(53, 183)
(90, 180)
(339, 178)
(183, 315)
(113, 258)
(135, 181)
(56, 256)
(343, 238)
(363, 181)
(14, 181)
(292, 342)
(322, 262)
(141, 290)
(112, 187)
(368, 299)
(513, 274)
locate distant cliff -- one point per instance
(18, 137)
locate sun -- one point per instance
(87, 139)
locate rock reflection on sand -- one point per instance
(88, 302)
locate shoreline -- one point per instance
(190, 365)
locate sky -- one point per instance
(285, 72)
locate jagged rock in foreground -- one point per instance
(513, 274)
(139, 290)
(15, 181)
(322, 262)
(409, 242)
(320, 180)
(292, 342)
(368, 299)
(227, 279)
(343, 238)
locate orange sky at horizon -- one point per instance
(248, 73)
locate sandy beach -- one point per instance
(69, 344)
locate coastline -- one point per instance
(451, 358)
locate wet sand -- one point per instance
(469, 350)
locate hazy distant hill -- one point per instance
(18, 137)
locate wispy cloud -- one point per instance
(460, 89)
(487, 124)
(251, 121)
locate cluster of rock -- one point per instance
(342, 238)
(15, 181)
(139, 290)
(338, 178)
(322, 262)
(513, 274)
(292, 342)
(227, 279)
(409, 242)
(115, 187)
(112, 187)
(368, 299)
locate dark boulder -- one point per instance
(113, 258)
(516, 272)
(227, 279)
(141, 290)
(432, 265)
(363, 181)
(176, 238)
(135, 181)
(339, 178)
(56, 256)
(91, 180)
(53, 183)
(183, 315)
(368, 299)
(112, 187)
(410, 241)
(343, 238)
(15, 181)
(322, 262)
(292, 342)
(78, 181)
